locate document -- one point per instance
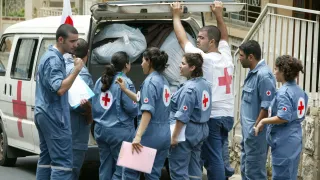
(78, 91)
(142, 162)
(182, 135)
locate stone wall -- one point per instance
(309, 161)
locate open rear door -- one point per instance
(155, 9)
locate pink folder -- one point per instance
(142, 162)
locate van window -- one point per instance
(45, 43)
(23, 59)
(5, 48)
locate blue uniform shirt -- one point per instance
(51, 73)
(155, 98)
(192, 102)
(290, 104)
(113, 107)
(258, 91)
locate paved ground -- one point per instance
(25, 169)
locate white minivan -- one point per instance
(23, 44)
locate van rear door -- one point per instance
(155, 9)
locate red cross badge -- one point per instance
(146, 100)
(205, 100)
(301, 108)
(185, 108)
(284, 109)
(268, 93)
(106, 99)
(166, 95)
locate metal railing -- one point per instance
(278, 35)
(247, 16)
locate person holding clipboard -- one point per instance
(154, 103)
(190, 106)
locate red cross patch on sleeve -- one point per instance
(185, 108)
(268, 93)
(284, 108)
(146, 100)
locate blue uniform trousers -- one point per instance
(212, 155)
(109, 142)
(55, 161)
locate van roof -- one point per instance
(47, 25)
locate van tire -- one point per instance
(4, 159)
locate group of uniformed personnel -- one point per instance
(204, 103)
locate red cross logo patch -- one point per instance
(166, 95)
(185, 108)
(146, 100)
(205, 100)
(106, 99)
(284, 109)
(301, 108)
(268, 93)
(226, 80)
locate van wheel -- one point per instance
(4, 159)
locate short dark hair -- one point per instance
(251, 47)
(195, 59)
(64, 30)
(119, 60)
(157, 58)
(290, 67)
(213, 33)
(82, 49)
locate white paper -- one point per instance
(78, 91)
(182, 135)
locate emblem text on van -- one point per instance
(19, 109)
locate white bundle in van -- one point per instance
(129, 40)
(172, 47)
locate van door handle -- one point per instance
(32, 108)
(5, 89)
(10, 92)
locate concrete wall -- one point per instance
(309, 161)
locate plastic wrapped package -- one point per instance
(127, 39)
(172, 47)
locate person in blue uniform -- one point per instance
(190, 106)
(52, 114)
(258, 91)
(80, 117)
(286, 112)
(154, 126)
(114, 113)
